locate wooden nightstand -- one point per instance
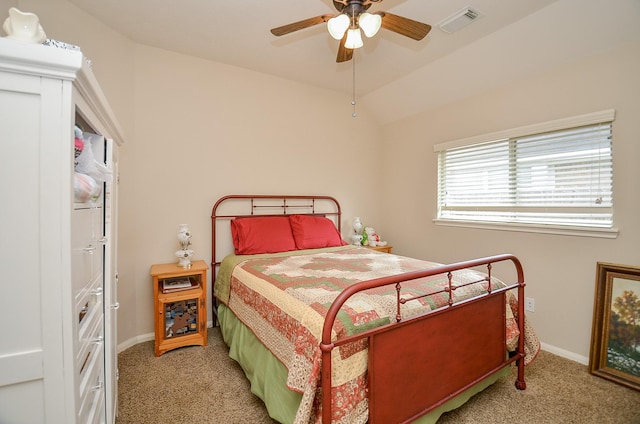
(385, 249)
(180, 305)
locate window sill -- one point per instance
(532, 228)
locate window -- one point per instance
(556, 174)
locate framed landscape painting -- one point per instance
(615, 335)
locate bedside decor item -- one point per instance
(184, 254)
(357, 225)
(616, 324)
(23, 26)
(356, 239)
(372, 237)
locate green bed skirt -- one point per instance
(268, 375)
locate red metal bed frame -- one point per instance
(455, 346)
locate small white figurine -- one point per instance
(357, 225)
(184, 238)
(24, 26)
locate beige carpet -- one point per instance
(201, 385)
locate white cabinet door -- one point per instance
(21, 349)
(111, 283)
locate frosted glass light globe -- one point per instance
(370, 23)
(338, 25)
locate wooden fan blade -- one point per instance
(296, 26)
(344, 54)
(404, 26)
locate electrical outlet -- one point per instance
(529, 304)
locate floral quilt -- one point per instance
(283, 298)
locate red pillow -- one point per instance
(313, 232)
(269, 234)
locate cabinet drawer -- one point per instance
(89, 308)
(92, 369)
(87, 246)
(96, 411)
(93, 335)
(92, 386)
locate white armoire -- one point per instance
(58, 281)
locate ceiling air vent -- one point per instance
(459, 20)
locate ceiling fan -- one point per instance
(353, 17)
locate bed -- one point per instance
(330, 332)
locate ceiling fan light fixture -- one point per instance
(338, 25)
(370, 23)
(354, 39)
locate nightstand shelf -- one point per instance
(180, 305)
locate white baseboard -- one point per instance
(135, 340)
(144, 338)
(564, 353)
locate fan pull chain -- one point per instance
(353, 99)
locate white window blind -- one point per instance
(562, 177)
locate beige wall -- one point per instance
(560, 270)
(206, 129)
(196, 130)
(109, 51)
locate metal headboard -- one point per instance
(242, 205)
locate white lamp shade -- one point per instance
(338, 25)
(370, 23)
(354, 39)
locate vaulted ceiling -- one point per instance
(510, 37)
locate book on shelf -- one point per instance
(178, 284)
